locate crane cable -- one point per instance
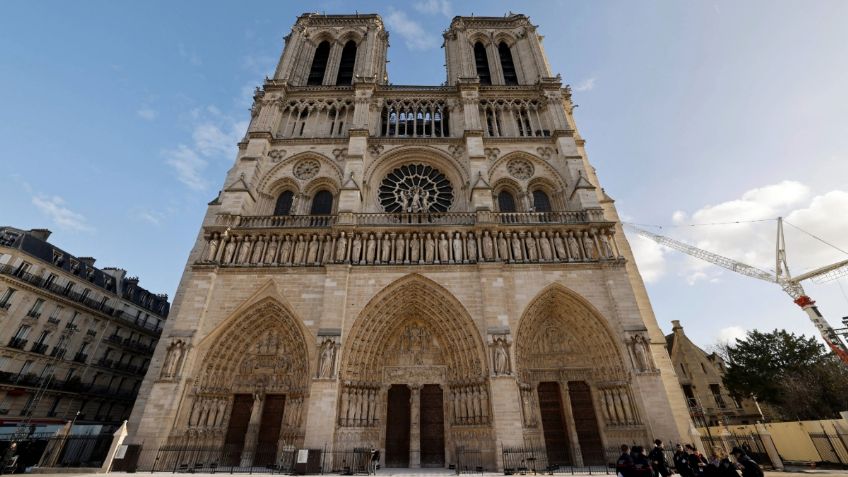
(815, 237)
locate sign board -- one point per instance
(302, 456)
(122, 451)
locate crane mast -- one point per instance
(791, 286)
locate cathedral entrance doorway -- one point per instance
(239, 419)
(398, 426)
(586, 422)
(269, 429)
(553, 424)
(432, 426)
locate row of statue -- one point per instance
(209, 412)
(411, 248)
(618, 406)
(469, 404)
(358, 406)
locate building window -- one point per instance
(51, 279)
(322, 203)
(25, 368)
(68, 288)
(58, 258)
(541, 202)
(22, 332)
(345, 76)
(35, 311)
(319, 64)
(481, 60)
(5, 301)
(506, 202)
(4, 360)
(54, 406)
(715, 389)
(508, 67)
(84, 294)
(56, 312)
(284, 203)
(23, 268)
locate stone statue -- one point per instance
(429, 248)
(532, 253)
(545, 247)
(244, 251)
(414, 249)
(501, 358)
(589, 246)
(386, 248)
(444, 248)
(271, 250)
(356, 249)
(256, 257)
(573, 248)
(341, 247)
(212, 251)
(299, 251)
(517, 253)
(285, 250)
(606, 247)
(471, 247)
(371, 249)
(328, 354)
(327, 250)
(229, 250)
(559, 246)
(503, 247)
(457, 248)
(641, 353)
(488, 246)
(400, 248)
(312, 253)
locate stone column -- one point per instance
(252, 434)
(771, 449)
(415, 426)
(570, 425)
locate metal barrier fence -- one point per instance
(530, 459)
(753, 444)
(468, 461)
(831, 448)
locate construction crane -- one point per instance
(791, 285)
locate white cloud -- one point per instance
(188, 165)
(587, 84)
(149, 216)
(54, 207)
(413, 34)
(434, 6)
(741, 234)
(730, 334)
(649, 258)
(147, 113)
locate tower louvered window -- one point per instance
(481, 60)
(284, 203)
(319, 64)
(508, 67)
(348, 61)
(506, 202)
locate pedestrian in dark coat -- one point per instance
(681, 462)
(624, 464)
(641, 464)
(749, 467)
(659, 461)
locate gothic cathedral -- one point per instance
(416, 269)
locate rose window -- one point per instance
(415, 188)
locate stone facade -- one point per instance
(82, 334)
(700, 375)
(415, 269)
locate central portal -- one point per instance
(397, 426)
(432, 426)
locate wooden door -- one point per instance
(586, 423)
(397, 426)
(553, 424)
(432, 426)
(269, 429)
(239, 419)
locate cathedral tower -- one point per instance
(423, 270)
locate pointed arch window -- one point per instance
(322, 203)
(541, 201)
(319, 64)
(348, 61)
(481, 61)
(506, 202)
(284, 203)
(508, 67)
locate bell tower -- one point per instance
(333, 50)
(497, 50)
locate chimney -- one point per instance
(675, 326)
(88, 261)
(41, 234)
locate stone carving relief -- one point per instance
(492, 153)
(174, 358)
(456, 151)
(618, 405)
(639, 348)
(499, 346)
(528, 405)
(306, 169)
(520, 169)
(277, 155)
(359, 405)
(375, 150)
(340, 154)
(469, 404)
(327, 348)
(545, 152)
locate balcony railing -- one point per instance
(39, 348)
(17, 343)
(444, 218)
(33, 314)
(80, 357)
(53, 320)
(58, 352)
(73, 296)
(277, 221)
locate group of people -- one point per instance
(687, 462)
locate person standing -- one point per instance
(749, 467)
(641, 464)
(624, 464)
(659, 461)
(681, 462)
(696, 460)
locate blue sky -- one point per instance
(118, 121)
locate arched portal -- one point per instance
(252, 380)
(414, 335)
(574, 384)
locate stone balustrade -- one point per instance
(416, 244)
